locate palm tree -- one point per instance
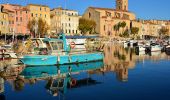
(123, 25)
(116, 27)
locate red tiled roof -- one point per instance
(108, 9)
(37, 5)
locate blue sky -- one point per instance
(144, 9)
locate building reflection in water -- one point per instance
(119, 60)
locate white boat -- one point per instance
(140, 48)
(7, 52)
(157, 53)
(167, 48)
(125, 44)
(155, 48)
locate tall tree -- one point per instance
(86, 26)
(123, 25)
(134, 31)
(38, 27)
(163, 32)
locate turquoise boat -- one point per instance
(57, 52)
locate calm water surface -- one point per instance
(123, 75)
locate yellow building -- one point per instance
(39, 11)
(122, 5)
(150, 27)
(106, 18)
(4, 22)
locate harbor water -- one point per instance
(124, 74)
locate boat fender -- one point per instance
(73, 82)
(58, 59)
(72, 45)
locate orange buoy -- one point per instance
(73, 82)
(72, 45)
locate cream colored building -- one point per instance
(106, 18)
(64, 20)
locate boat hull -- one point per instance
(60, 60)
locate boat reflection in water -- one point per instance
(59, 78)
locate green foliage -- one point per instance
(40, 25)
(43, 27)
(123, 24)
(163, 31)
(125, 33)
(31, 25)
(134, 31)
(118, 26)
(86, 26)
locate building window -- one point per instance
(45, 16)
(36, 15)
(32, 15)
(66, 31)
(69, 31)
(73, 31)
(40, 15)
(69, 25)
(76, 31)
(89, 15)
(16, 13)
(20, 19)
(16, 19)
(40, 8)
(69, 19)
(104, 27)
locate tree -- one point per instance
(125, 33)
(31, 25)
(134, 31)
(118, 26)
(43, 27)
(38, 27)
(86, 26)
(163, 31)
(123, 25)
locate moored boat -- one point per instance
(58, 53)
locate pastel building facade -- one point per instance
(4, 22)
(19, 17)
(150, 27)
(64, 20)
(39, 11)
(107, 18)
